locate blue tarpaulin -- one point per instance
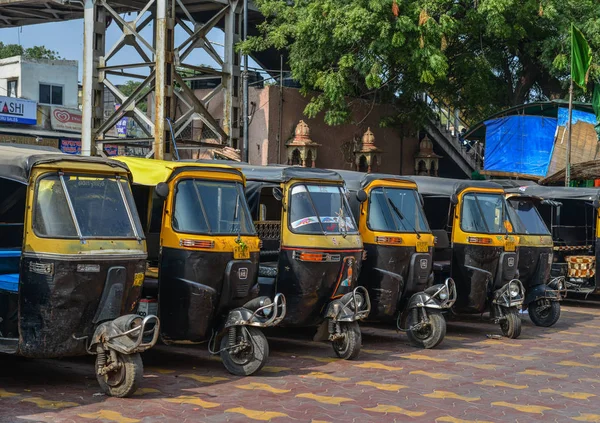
(578, 116)
(520, 144)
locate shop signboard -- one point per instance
(65, 119)
(18, 110)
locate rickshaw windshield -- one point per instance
(531, 222)
(320, 209)
(211, 207)
(85, 206)
(484, 213)
(396, 210)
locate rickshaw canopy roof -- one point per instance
(556, 193)
(282, 173)
(17, 160)
(150, 172)
(445, 187)
(359, 180)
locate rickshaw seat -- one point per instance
(9, 282)
(9, 260)
(441, 266)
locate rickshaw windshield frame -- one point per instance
(420, 224)
(245, 225)
(347, 214)
(523, 224)
(483, 217)
(129, 210)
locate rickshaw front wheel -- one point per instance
(347, 345)
(511, 324)
(544, 312)
(249, 352)
(124, 379)
(428, 335)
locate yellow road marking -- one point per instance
(500, 384)
(440, 376)
(451, 419)
(324, 399)
(582, 344)
(577, 364)
(450, 395)
(467, 351)
(455, 338)
(586, 417)
(5, 394)
(531, 372)
(517, 357)
(499, 342)
(144, 391)
(256, 414)
(321, 375)
(320, 359)
(382, 386)
(188, 399)
(160, 370)
(381, 408)
(572, 395)
(587, 379)
(205, 379)
(376, 352)
(539, 409)
(275, 369)
(378, 366)
(552, 350)
(111, 416)
(254, 386)
(420, 357)
(479, 366)
(49, 404)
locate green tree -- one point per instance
(129, 87)
(479, 55)
(35, 52)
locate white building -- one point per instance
(47, 82)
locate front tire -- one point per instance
(429, 336)
(348, 346)
(511, 324)
(543, 314)
(250, 359)
(123, 381)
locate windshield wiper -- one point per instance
(402, 217)
(341, 217)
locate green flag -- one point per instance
(581, 57)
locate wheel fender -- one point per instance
(238, 317)
(105, 333)
(422, 299)
(539, 292)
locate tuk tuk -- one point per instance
(203, 260)
(535, 253)
(311, 251)
(572, 217)
(72, 258)
(476, 245)
(398, 246)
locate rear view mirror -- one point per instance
(162, 190)
(277, 193)
(361, 196)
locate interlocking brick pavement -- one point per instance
(548, 374)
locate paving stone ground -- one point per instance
(548, 374)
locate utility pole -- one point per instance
(568, 164)
(245, 109)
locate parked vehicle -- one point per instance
(476, 245)
(72, 259)
(398, 243)
(311, 251)
(203, 260)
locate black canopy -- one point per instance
(16, 160)
(359, 180)
(446, 187)
(282, 173)
(557, 193)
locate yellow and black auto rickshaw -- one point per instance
(203, 260)
(398, 246)
(311, 251)
(572, 215)
(475, 245)
(72, 260)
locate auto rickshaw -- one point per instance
(203, 260)
(572, 217)
(72, 258)
(398, 246)
(535, 251)
(311, 251)
(475, 245)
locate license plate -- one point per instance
(509, 246)
(240, 253)
(422, 247)
(138, 279)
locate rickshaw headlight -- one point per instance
(264, 303)
(443, 294)
(359, 301)
(513, 290)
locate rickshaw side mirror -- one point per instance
(162, 190)
(277, 193)
(454, 199)
(361, 195)
(596, 203)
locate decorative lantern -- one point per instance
(367, 155)
(426, 161)
(301, 150)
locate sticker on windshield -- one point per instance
(305, 221)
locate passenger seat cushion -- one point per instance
(9, 282)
